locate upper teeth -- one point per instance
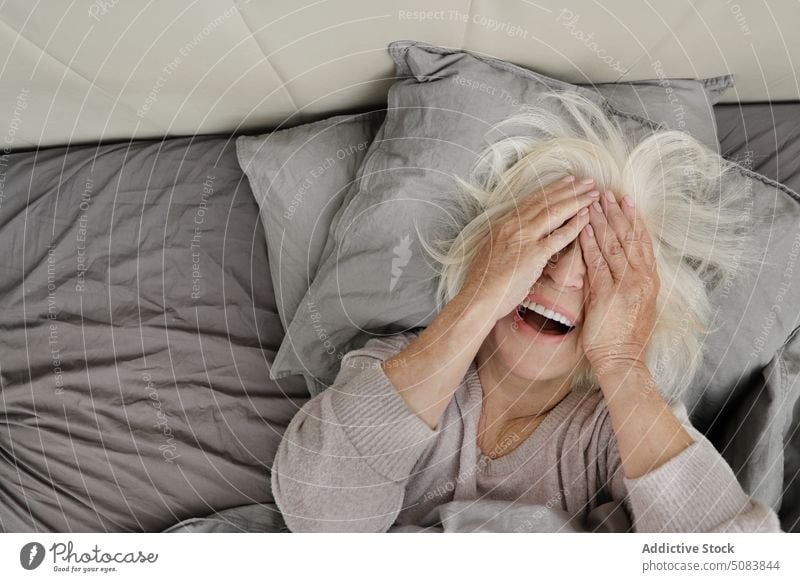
(549, 313)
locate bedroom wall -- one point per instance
(94, 70)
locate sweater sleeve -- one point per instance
(695, 491)
(345, 457)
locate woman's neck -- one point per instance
(508, 398)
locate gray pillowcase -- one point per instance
(300, 178)
(374, 278)
(682, 104)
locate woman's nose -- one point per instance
(568, 269)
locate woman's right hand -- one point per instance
(428, 371)
(517, 249)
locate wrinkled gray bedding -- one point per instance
(496, 516)
(137, 328)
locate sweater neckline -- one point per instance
(521, 454)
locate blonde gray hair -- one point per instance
(700, 231)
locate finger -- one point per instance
(534, 203)
(569, 190)
(617, 220)
(608, 242)
(596, 267)
(561, 237)
(564, 184)
(643, 248)
(552, 217)
(627, 209)
(623, 228)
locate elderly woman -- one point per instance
(554, 371)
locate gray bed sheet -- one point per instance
(137, 328)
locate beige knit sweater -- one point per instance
(356, 458)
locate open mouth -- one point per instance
(541, 322)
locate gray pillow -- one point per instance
(682, 104)
(300, 178)
(676, 103)
(374, 278)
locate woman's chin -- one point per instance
(533, 354)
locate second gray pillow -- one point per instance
(301, 178)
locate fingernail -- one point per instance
(587, 180)
(610, 196)
(628, 200)
(583, 211)
(590, 230)
(597, 206)
(594, 193)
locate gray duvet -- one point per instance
(136, 330)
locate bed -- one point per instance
(138, 327)
(139, 323)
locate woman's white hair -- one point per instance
(700, 237)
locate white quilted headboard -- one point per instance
(92, 70)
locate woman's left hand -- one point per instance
(623, 284)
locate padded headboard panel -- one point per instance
(92, 70)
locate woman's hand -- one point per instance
(619, 319)
(516, 251)
(623, 284)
